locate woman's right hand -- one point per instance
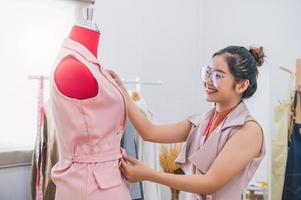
(121, 85)
(117, 80)
(170, 133)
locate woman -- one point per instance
(223, 148)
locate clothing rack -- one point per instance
(135, 81)
(37, 77)
(138, 82)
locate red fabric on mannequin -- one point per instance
(73, 79)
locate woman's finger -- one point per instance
(124, 165)
(113, 74)
(122, 170)
(132, 160)
(115, 77)
(110, 71)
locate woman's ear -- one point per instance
(242, 86)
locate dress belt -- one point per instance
(98, 158)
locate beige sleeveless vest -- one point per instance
(196, 158)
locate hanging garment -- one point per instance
(149, 153)
(50, 157)
(196, 157)
(282, 122)
(129, 143)
(89, 132)
(39, 149)
(292, 183)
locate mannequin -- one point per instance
(73, 79)
(89, 122)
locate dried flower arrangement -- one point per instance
(168, 164)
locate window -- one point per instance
(31, 34)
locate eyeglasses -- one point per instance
(207, 72)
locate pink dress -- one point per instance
(89, 133)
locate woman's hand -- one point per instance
(117, 80)
(137, 172)
(121, 85)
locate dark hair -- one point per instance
(243, 65)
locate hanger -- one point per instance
(286, 69)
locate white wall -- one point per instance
(156, 40)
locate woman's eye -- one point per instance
(218, 76)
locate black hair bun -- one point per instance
(258, 55)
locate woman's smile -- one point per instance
(211, 91)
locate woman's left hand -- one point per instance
(137, 172)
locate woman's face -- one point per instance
(220, 85)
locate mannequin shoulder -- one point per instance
(74, 79)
